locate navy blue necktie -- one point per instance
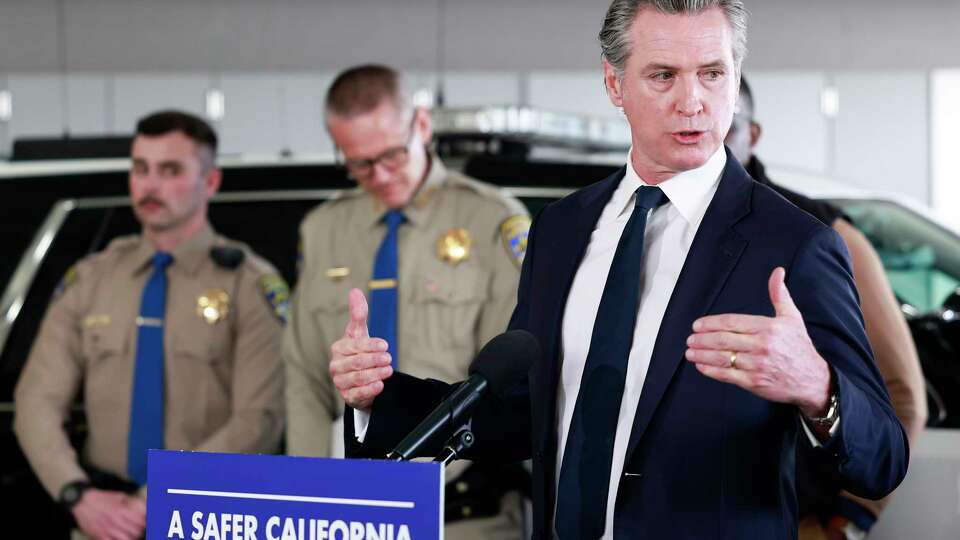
(146, 411)
(585, 471)
(383, 286)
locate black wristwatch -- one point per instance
(70, 494)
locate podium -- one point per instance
(210, 496)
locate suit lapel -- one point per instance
(570, 232)
(713, 255)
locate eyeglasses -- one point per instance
(392, 158)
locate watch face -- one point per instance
(71, 494)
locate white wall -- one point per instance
(274, 59)
(879, 140)
(945, 181)
(323, 35)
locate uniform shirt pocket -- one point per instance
(204, 350)
(329, 305)
(199, 360)
(107, 362)
(445, 306)
(330, 297)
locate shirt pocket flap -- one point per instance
(451, 286)
(330, 298)
(102, 341)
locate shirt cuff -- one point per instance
(803, 421)
(361, 420)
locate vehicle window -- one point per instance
(922, 260)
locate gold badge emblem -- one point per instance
(454, 246)
(213, 305)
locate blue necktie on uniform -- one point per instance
(146, 411)
(585, 471)
(383, 286)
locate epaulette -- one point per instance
(494, 194)
(346, 194)
(123, 244)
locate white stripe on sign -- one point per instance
(292, 498)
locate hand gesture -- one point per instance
(359, 363)
(771, 357)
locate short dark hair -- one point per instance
(170, 121)
(746, 95)
(361, 89)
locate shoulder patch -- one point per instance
(277, 294)
(513, 233)
(68, 279)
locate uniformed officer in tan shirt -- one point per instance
(221, 334)
(460, 247)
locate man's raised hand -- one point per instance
(358, 363)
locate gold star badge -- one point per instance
(454, 246)
(213, 305)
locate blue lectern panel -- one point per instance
(205, 496)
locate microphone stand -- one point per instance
(456, 444)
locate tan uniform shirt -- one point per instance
(459, 264)
(223, 378)
(447, 309)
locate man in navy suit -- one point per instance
(695, 327)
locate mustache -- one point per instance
(150, 200)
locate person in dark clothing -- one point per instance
(825, 511)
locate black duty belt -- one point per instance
(477, 492)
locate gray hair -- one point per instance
(615, 34)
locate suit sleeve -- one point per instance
(893, 346)
(869, 454)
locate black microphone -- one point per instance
(505, 359)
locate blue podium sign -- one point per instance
(205, 496)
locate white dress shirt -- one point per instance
(669, 234)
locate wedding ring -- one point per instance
(733, 360)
